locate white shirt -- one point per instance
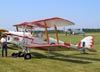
(3, 40)
(40, 35)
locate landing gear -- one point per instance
(21, 54)
(27, 56)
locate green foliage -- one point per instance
(86, 30)
(91, 30)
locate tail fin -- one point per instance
(87, 43)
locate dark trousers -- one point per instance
(4, 49)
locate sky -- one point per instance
(84, 13)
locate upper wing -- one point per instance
(50, 23)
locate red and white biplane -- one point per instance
(27, 41)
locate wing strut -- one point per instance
(56, 34)
(46, 32)
(17, 28)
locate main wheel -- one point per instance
(20, 54)
(27, 56)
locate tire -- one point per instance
(27, 56)
(20, 54)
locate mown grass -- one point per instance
(62, 61)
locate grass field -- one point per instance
(63, 61)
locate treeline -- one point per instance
(49, 31)
(91, 30)
(62, 31)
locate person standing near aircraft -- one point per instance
(40, 35)
(4, 45)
